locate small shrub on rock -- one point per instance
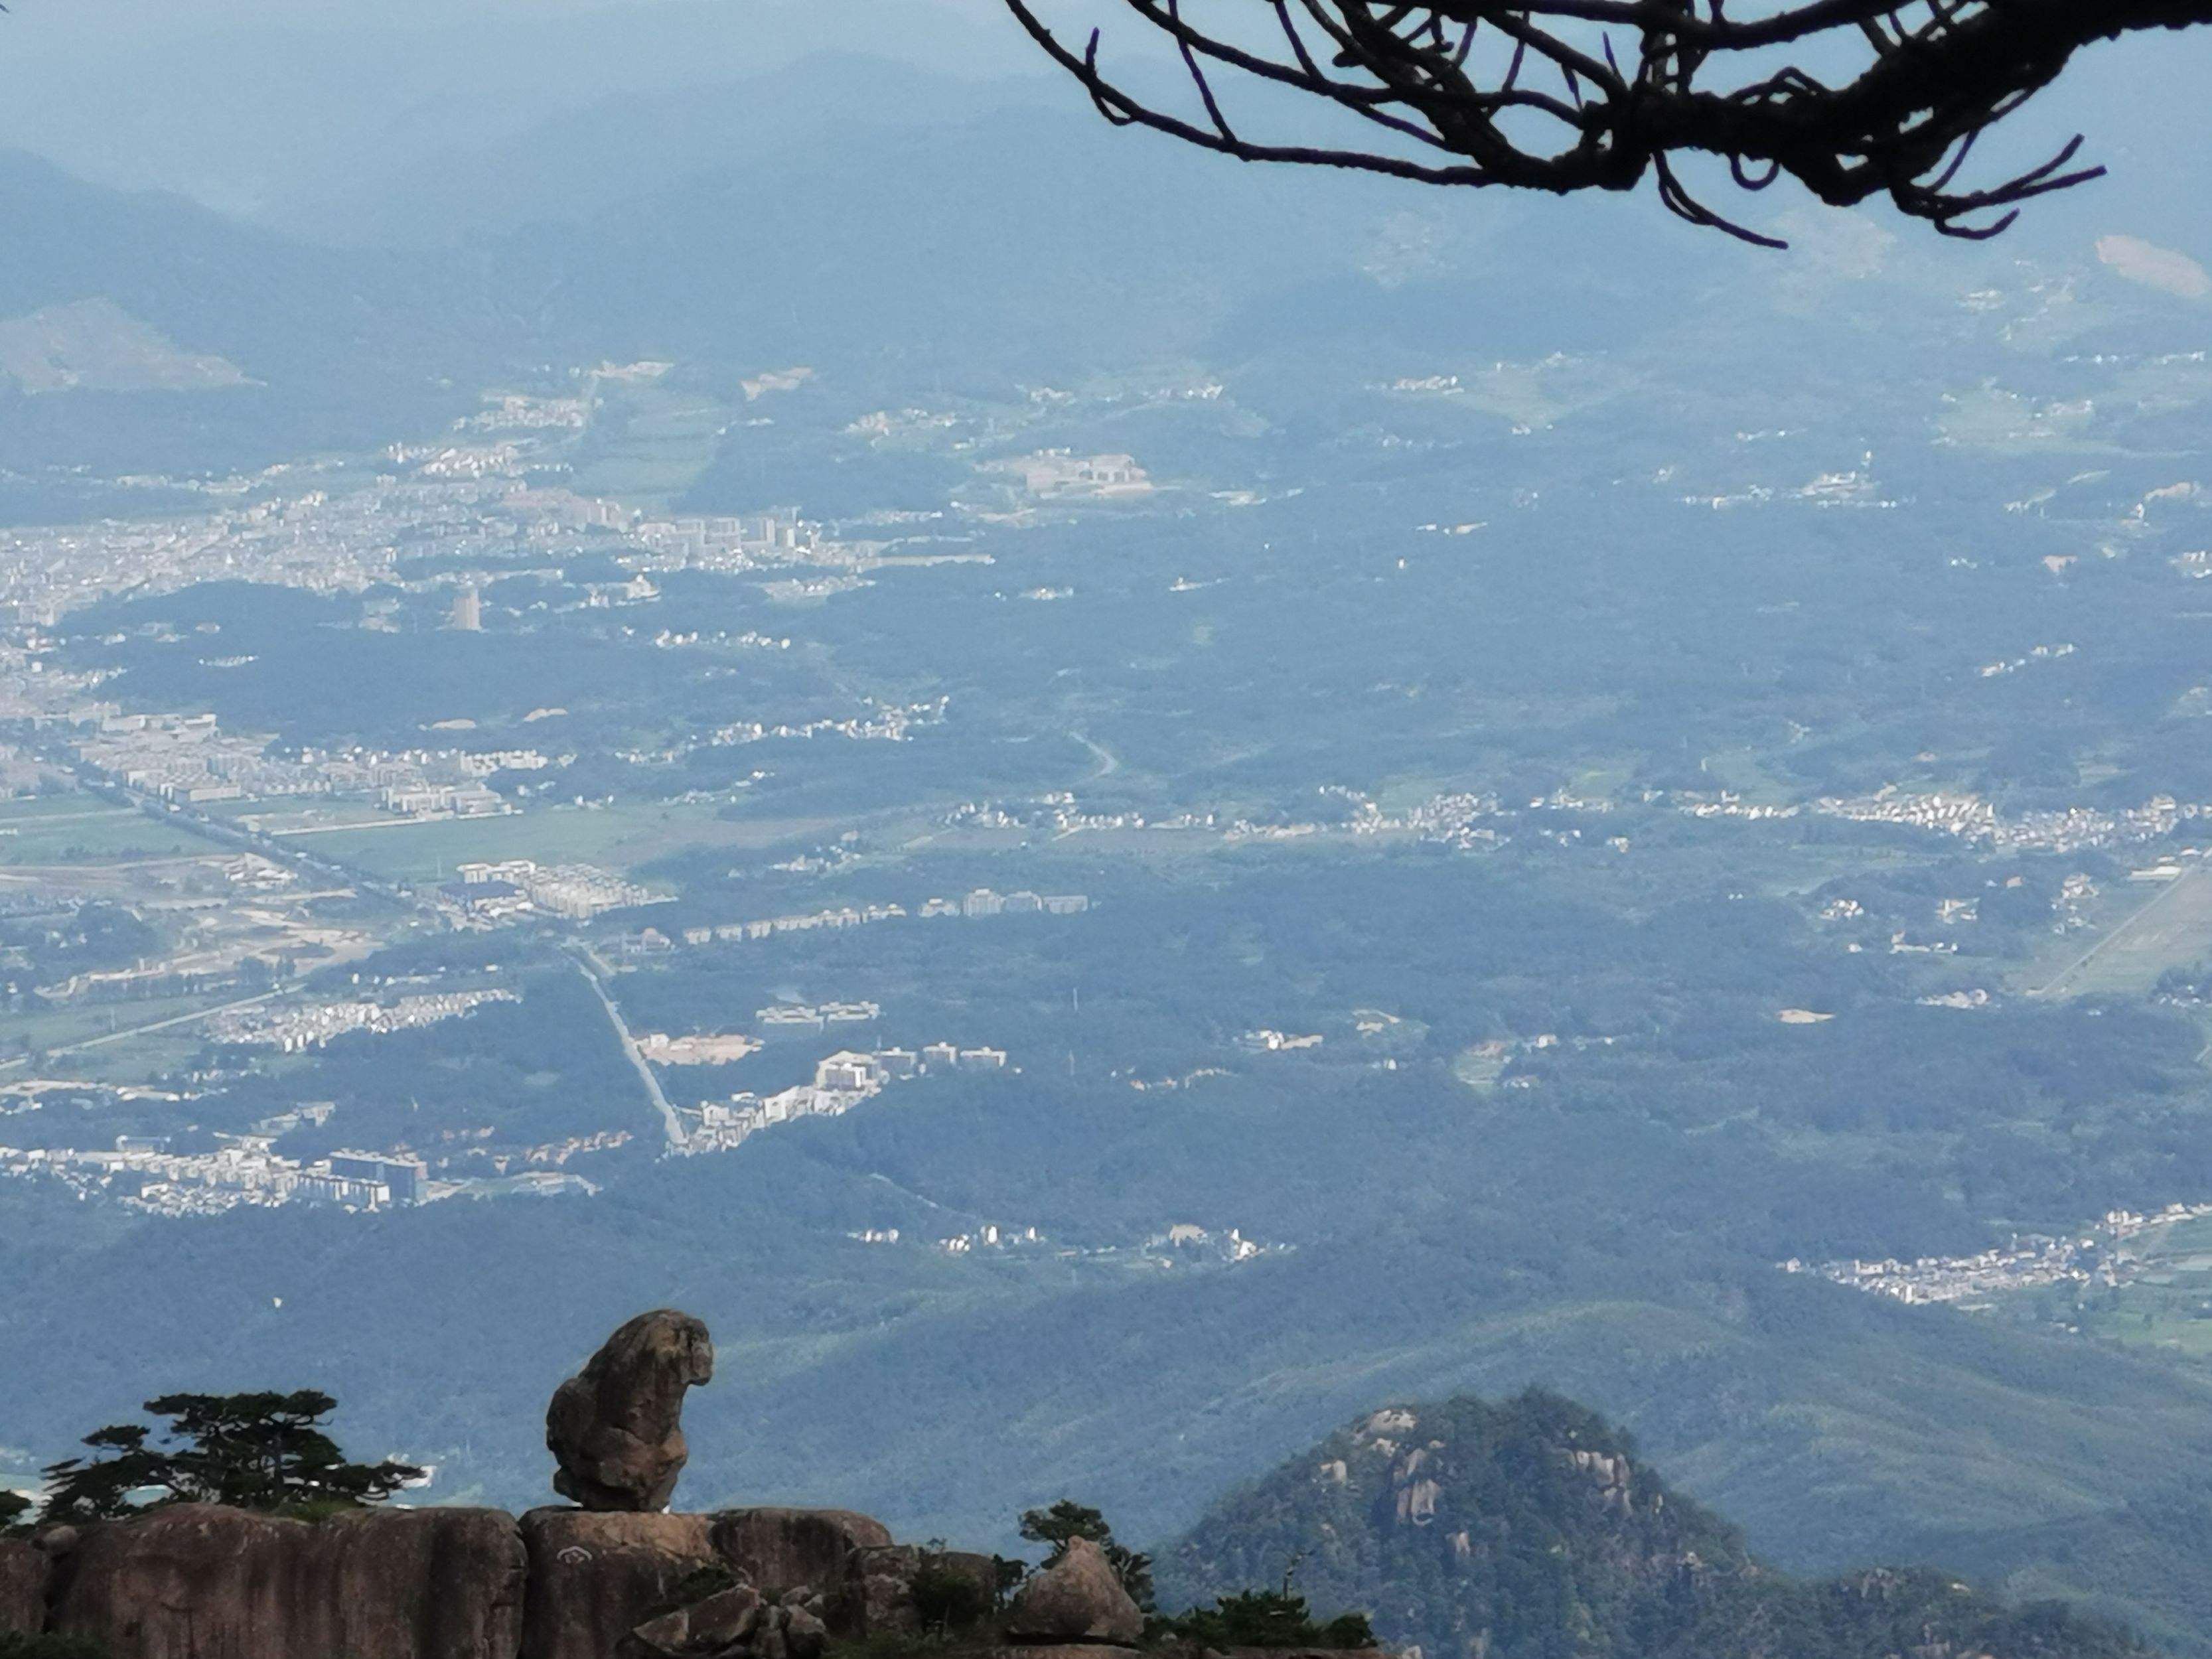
(946, 1599)
(1267, 1619)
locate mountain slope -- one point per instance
(320, 349)
(1528, 1530)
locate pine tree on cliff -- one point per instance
(258, 1451)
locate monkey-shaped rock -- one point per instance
(616, 1427)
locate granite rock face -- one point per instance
(804, 1634)
(200, 1581)
(1078, 1599)
(22, 1587)
(644, 1584)
(616, 1427)
(784, 1549)
(730, 1624)
(716, 1624)
(594, 1577)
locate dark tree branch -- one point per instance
(1929, 78)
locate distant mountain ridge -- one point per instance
(918, 227)
(118, 299)
(1527, 1529)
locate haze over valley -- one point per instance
(1112, 809)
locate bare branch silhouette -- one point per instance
(1565, 95)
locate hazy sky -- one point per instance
(247, 103)
(283, 107)
(95, 16)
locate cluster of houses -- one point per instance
(983, 901)
(841, 1082)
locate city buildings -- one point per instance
(142, 1173)
(576, 892)
(405, 1179)
(295, 1029)
(1060, 474)
(842, 1081)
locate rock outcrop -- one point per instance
(1078, 1599)
(22, 1587)
(718, 1623)
(595, 1577)
(617, 1579)
(649, 1585)
(616, 1427)
(804, 1634)
(730, 1624)
(196, 1581)
(781, 1550)
(200, 1581)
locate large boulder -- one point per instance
(1077, 1600)
(22, 1587)
(616, 1427)
(783, 1550)
(594, 1577)
(200, 1581)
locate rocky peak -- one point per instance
(1473, 1530)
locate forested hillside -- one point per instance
(1528, 1530)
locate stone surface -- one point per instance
(594, 1577)
(22, 1587)
(805, 1637)
(616, 1427)
(717, 1624)
(875, 1596)
(1078, 1600)
(197, 1582)
(726, 1618)
(733, 1624)
(663, 1637)
(781, 1550)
